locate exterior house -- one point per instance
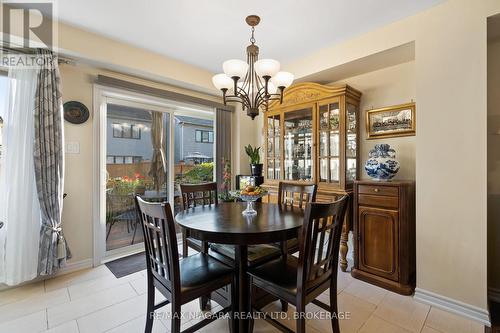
(128, 135)
(195, 138)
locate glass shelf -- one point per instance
(298, 144)
(329, 142)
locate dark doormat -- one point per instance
(127, 265)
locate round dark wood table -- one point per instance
(224, 224)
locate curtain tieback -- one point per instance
(61, 242)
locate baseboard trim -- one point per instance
(71, 267)
(452, 305)
(68, 268)
(494, 294)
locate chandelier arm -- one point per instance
(242, 98)
(260, 97)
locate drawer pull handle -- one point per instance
(376, 190)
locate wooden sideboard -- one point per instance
(384, 234)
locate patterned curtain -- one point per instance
(158, 165)
(49, 164)
(223, 142)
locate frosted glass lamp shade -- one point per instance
(282, 79)
(267, 67)
(222, 81)
(271, 88)
(235, 67)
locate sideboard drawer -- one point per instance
(378, 201)
(391, 191)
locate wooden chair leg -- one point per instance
(284, 305)
(184, 245)
(150, 308)
(333, 309)
(204, 301)
(233, 324)
(301, 320)
(175, 322)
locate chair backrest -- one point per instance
(319, 242)
(160, 242)
(294, 194)
(199, 195)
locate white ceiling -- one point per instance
(207, 32)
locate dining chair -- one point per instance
(120, 207)
(300, 280)
(193, 195)
(182, 281)
(293, 194)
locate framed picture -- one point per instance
(392, 121)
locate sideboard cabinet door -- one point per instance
(378, 241)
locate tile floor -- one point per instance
(93, 300)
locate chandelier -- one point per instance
(255, 82)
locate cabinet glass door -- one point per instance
(329, 143)
(351, 142)
(298, 144)
(273, 147)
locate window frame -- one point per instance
(201, 137)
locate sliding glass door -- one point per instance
(137, 148)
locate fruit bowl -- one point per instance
(249, 194)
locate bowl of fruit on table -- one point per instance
(250, 194)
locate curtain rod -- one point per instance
(162, 93)
(60, 59)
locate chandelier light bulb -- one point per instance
(235, 68)
(282, 79)
(267, 67)
(222, 81)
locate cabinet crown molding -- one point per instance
(310, 91)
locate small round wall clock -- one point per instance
(75, 112)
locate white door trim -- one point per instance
(101, 96)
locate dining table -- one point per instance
(224, 223)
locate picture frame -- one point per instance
(391, 121)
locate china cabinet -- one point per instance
(313, 137)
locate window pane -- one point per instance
(110, 160)
(128, 159)
(204, 136)
(127, 131)
(323, 170)
(136, 132)
(334, 170)
(211, 137)
(198, 136)
(117, 131)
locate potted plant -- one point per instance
(254, 155)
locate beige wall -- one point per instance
(389, 86)
(450, 80)
(494, 165)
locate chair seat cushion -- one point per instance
(199, 270)
(278, 272)
(256, 253)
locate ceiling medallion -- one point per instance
(255, 82)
